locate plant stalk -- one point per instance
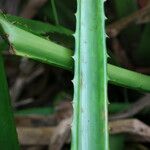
(90, 121)
(26, 44)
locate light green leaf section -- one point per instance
(129, 79)
(90, 122)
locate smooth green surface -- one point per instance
(55, 12)
(26, 44)
(90, 121)
(125, 78)
(8, 136)
(29, 45)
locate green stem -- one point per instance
(126, 78)
(90, 122)
(8, 136)
(55, 12)
(32, 46)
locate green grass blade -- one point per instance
(26, 44)
(90, 123)
(55, 12)
(8, 136)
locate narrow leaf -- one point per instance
(90, 122)
(8, 135)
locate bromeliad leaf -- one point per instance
(90, 129)
(24, 43)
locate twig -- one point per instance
(115, 28)
(25, 77)
(132, 127)
(134, 109)
(32, 7)
(121, 55)
(34, 148)
(63, 111)
(42, 135)
(35, 136)
(21, 82)
(60, 135)
(36, 120)
(23, 102)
